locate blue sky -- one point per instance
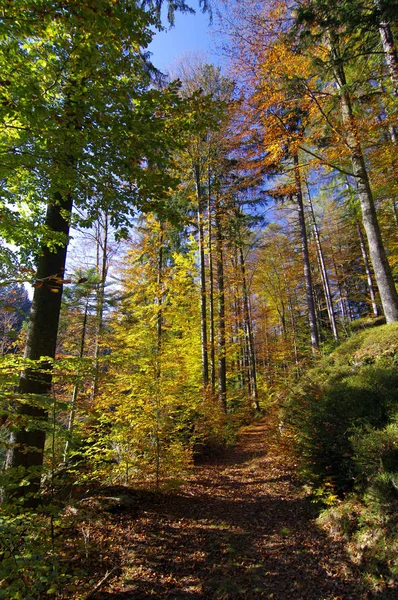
(190, 34)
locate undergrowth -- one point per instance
(342, 420)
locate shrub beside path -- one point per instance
(241, 528)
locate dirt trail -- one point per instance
(241, 528)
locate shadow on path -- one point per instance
(240, 529)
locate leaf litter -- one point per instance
(241, 527)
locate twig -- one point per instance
(99, 585)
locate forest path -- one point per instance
(241, 528)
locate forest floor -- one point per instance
(240, 528)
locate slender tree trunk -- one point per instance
(294, 335)
(384, 279)
(240, 343)
(158, 368)
(341, 287)
(306, 257)
(368, 272)
(159, 318)
(267, 358)
(211, 292)
(102, 268)
(222, 359)
(239, 322)
(323, 270)
(75, 393)
(395, 211)
(249, 334)
(27, 442)
(202, 267)
(292, 317)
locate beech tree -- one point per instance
(82, 124)
(204, 159)
(154, 370)
(316, 62)
(321, 23)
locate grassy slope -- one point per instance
(343, 421)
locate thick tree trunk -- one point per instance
(388, 42)
(384, 279)
(27, 442)
(387, 39)
(306, 258)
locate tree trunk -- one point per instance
(222, 360)
(102, 269)
(384, 279)
(202, 267)
(27, 442)
(211, 292)
(341, 287)
(238, 322)
(249, 334)
(75, 393)
(306, 258)
(158, 368)
(368, 272)
(387, 39)
(323, 270)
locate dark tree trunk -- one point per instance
(27, 443)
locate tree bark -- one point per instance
(211, 290)
(222, 359)
(202, 268)
(323, 270)
(27, 442)
(249, 334)
(306, 257)
(369, 278)
(384, 279)
(102, 269)
(75, 393)
(387, 40)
